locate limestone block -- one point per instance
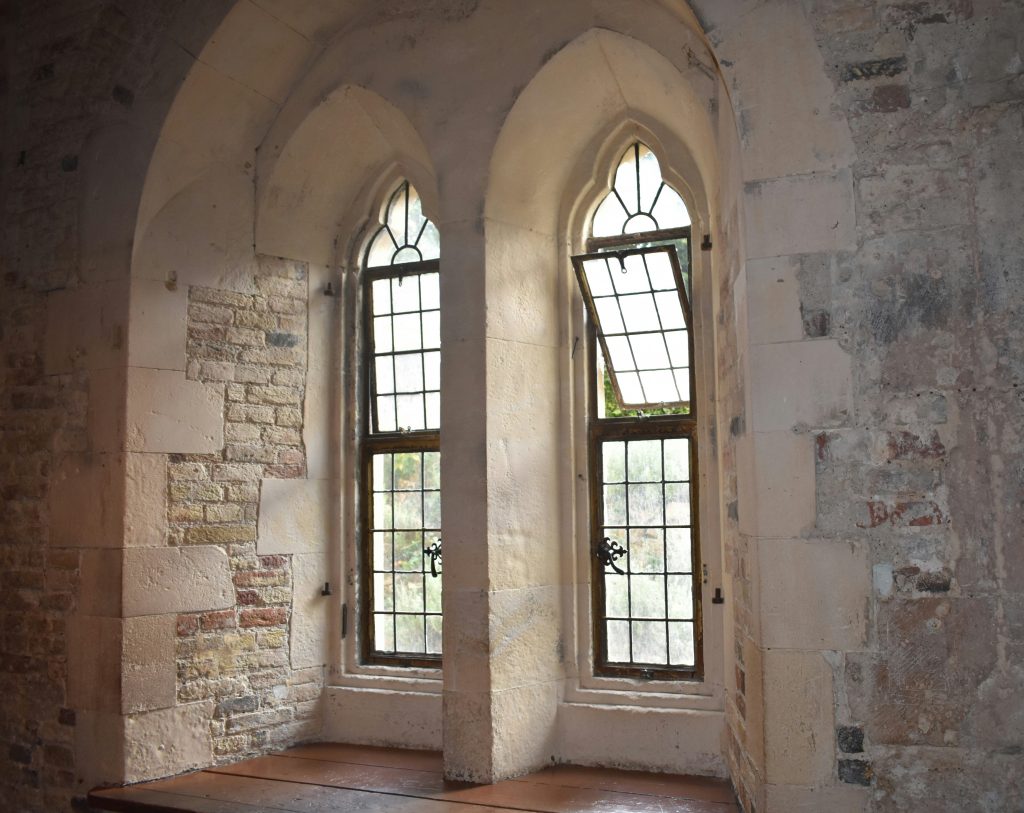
(375, 717)
(467, 649)
(800, 215)
(85, 327)
(468, 736)
(167, 741)
(524, 721)
(295, 516)
(86, 502)
(99, 747)
(799, 384)
(168, 413)
(176, 580)
(835, 799)
(156, 332)
(814, 594)
(311, 612)
(149, 676)
(257, 50)
(773, 312)
(798, 718)
(100, 582)
(644, 738)
(525, 627)
(145, 517)
(94, 663)
(783, 482)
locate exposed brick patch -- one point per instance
(903, 445)
(914, 514)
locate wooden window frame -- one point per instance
(653, 427)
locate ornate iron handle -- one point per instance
(434, 552)
(608, 550)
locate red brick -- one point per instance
(264, 617)
(222, 619)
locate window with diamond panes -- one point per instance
(642, 431)
(400, 437)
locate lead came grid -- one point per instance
(649, 610)
(642, 325)
(406, 518)
(406, 352)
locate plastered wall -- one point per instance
(173, 492)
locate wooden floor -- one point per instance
(327, 777)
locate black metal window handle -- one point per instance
(434, 552)
(608, 550)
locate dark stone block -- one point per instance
(850, 739)
(278, 339)
(855, 772)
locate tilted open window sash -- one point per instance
(637, 301)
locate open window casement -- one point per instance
(637, 301)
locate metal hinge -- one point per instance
(344, 620)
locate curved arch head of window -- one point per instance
(400, 407)
(642, 428)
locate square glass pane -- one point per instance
(598, 279)
(382, 551)
(407, 333)
(433, 592)
(677, 503)
(659, 386)
(649, 643)
(638, 312)
(619, 353)
(383, 593)
(385, 381)
(616, 596)
(432, 509)
(629, 276)
(680, 596)
(647, 594)
(434, 635)
(683, 383)
(678, 348)
(411, 412)
(649, 351)
(381, 510)
(431, 330)
(409, 633)
(382, 472)
(629, 383)
(384, 633)
(659, 270)
(669, 311)
(409, 592)
(609, 315)
(407, 471)
(409, 372)
(617, 639)
(432, 371)
(679, 546)
(681, 648)
(646, 550)
(430, 295)
(405, 295)
(381, 297)
(645, 504)
(644, 461)
(614, 505)
(433, 401)
(409, 551)
(382, 342)
(614, 459)
(677, 459)
(431, 469)
(408, 510)
(386, 413)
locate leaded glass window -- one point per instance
(400, 437)
(642, 431)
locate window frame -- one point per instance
(600, 430)
(372, 442)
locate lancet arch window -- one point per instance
(399, 435)
(642, 427)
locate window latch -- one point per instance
(434, 552)
(608, 551)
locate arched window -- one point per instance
(642, 427)
(400, 415)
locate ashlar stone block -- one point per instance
(168, 413)
(799, 384)
(295, 516)
(176, 580)
(167, 741)
(148, 669)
